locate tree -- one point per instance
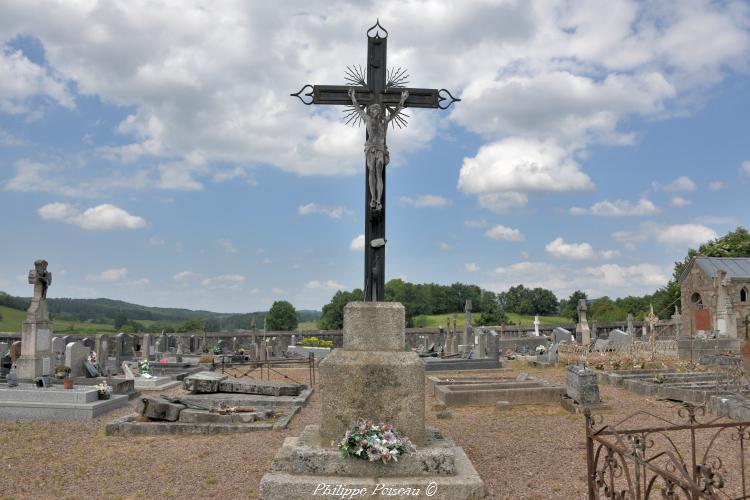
(281, 317)
(568, 307)
(492, 315)
(120, 321)
(606, 310)
(333, 312)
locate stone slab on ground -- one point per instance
(203, 382)
(238, 399)
(155, 383)
(131, 425)
(733, 406)
(260, 387)
(574, 406)
(530, 391)
(581, 385)
(25, 392)
(159, 409)
(453, 364)
(281, 481)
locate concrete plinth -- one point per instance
(384, 386)
(36, 350)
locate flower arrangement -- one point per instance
(104, 390)
(374, 442)
(316, 342)
(540, 349)
(144, 367)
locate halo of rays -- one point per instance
(396, 78)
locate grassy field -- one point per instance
(307, 326)
(12, 319)
(515, 319)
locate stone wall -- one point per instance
(697, 281)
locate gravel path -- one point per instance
(529, 452)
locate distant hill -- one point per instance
(104, 311)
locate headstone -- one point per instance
(234, 344)
(127, 371)
(180, 345)
(618, 336)
(36, 332)
(194, 344)
(75, 355)
(630, 330)
(4, 349)
(146, 346)
(583, 334)
(102, 354)
(536, 325)
(263, 350)
(171, 343)
(467, 326)
(581, 385)
(161, 343)
(560, 334)
(123, 348)
(67, 340)
(90, 369)
(88, 342)
(482, 345)
(58, 350)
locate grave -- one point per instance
(582, 389)
(29, 402)
(75, 356)
(487, 391)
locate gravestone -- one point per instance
(58, 350)
(581, 385)
(583, 334)
(102, 354)
(123, 348)
(37, 357)
(630, 330)
(180, 349)
(171, 343)
(481, 344)
(161, 343)
(15, 351)
(75, 355)
(467, 327)
(620, 337)
(146, 346)
(193, 344)
(263, 350)
(127, 371)
(88, 342)
(4, 349)
(536, 325)
(560, 334)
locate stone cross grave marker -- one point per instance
(36, 333)
(376, 96)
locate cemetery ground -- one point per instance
(527, 452)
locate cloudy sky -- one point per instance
(150, 151)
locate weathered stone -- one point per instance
(386, 386)
(203, 382)
(102, 354)
(206, 417)
(159, 409)
(443, 414)
(75, 355)
(581, 385)
(263, 387)
(522, 377)
(374, 326)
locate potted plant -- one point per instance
(105, 391)
(61, 371)
(68, 380)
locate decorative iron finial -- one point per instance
(308, 94)
(377, 33)
(448, 98)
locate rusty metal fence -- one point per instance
(691, 460)
(638, 351)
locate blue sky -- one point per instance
(153, 154)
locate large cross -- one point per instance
(375, 86)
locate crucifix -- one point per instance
(375, 96)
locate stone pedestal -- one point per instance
(37, 358)
(372, 376)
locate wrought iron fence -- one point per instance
(691, 460)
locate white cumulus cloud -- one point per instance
(682, 183)
(679, 202)
(618, 208)
(577, 251)
(109, 276)
(314, 208)
(472, 267)
(327, 285)
(100, 217)
(358, 243)
(426, 201)
(500, 232)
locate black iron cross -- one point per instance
(384, 88)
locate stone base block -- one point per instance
(574, 406)
(374, 326)
(453, 364)
(30, 367)
(19, 409)
(386, 386)
(260, 387)
(203, 382)
(302, 470)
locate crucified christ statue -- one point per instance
(376, 152)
